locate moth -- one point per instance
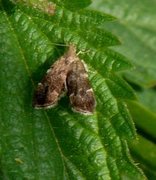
(67, 74)
(53, 84)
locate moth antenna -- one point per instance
(57, 44)
(83, 52)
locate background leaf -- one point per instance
(147, 98)
(58, 143)
(136, 29)
(148, 163)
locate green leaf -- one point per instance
(144, 118)
(144, 151)
(136, 29)
(74, 4)
(147, 98)
(58, 143)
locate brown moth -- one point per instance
(52, 85)
(79, 90)
(68, 73)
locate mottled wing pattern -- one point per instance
(67, 73)
(79, 90)
(53, 84)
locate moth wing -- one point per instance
(52, 86)
(79, 90)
